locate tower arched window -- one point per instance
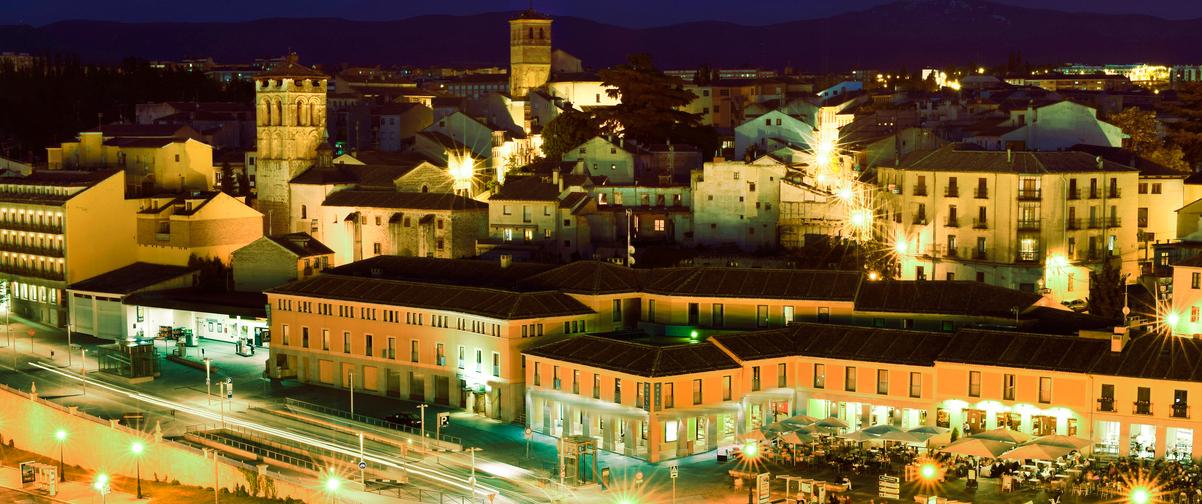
(530, 33)
(313, 120)
(300, 120)
(540, 33)
(304, 212)
(267, 114)
(279, 113)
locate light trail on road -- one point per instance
(482, 490)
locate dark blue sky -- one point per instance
(635, 13)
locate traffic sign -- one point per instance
(362, 464)
(674, 471)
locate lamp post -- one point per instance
(137, 449)
(69, 327)
(1140, 495)
(332, 485)
(102, 486)
(423, 408)
(351, 382)
(209, 380)
(472, 480)
(61, 436)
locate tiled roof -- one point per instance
(943, 297)
(1146, 167)
(587, 277)
(394, 199)
(135, 142)
(380, 175)
(1155, 357)
(636, 358)
(963, 158)
(291, 67)
(754, 283)
(527, 188)
(864, 344)
(142, 130)
(301, 244)
(468, 272)
(131, 278)
(1023, 350)
(486, 302)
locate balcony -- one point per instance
(980, 223)
(952, 222)
(1072, 224)
(920, 190)
(1106, 404)
(32, 250)
(1113, 222)
(31, 272)
(1114, 192)
(1180, 410)
(1074, 194)
(1029, 256)
(951, 192)
(951, 252)
(1143, 223)
(1094, 223)
(1142, 408)
(1028, 225)
(1094, 193)
(33, 227)
(980, 193)
(980, 255)
(1029, 195)
(920, 220)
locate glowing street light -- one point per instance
(332, 484)
(751, 450)
(929, 471)
(1140, 495)
(137, 448)
(61, 436)
(1171, 319)
(462, 170)
(901, 247)
(102, 486)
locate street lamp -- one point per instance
(208, 381)
(102, 486)
(929, 471)
(137, 448)
(423, 408)
(751, 450)
(332, 485)
(1140, 495)
(472, 480)
(60, 436)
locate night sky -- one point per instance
(634, 13)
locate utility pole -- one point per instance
(362, 463)
(351, 380)
(423, 408)
(208, 381)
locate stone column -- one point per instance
(609, 433)
(569, 420)
(711, 432)
(682, 439)
(1161, 440)
(632, 437)
(1124, 439)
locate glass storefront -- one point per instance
(1179, 444)
(1108, 438)
(1143, 441)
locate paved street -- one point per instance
(502, 461)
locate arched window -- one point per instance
(279, 113)
(540, 33)
(267, 108)
(425, 188)
(313, 121)
(304, 212)
(530, 33)
(300, 120)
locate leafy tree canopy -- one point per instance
(567, 130)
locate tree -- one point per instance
(1187, 132)
(566, 131)
(1141, 126)
(1107, 289)
(651, 102)
(1170, 157)
(228, 183)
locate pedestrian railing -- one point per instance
(377, 422)
(258, 450)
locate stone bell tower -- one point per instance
(290, 104)
(529, 52)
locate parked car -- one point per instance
(406, 419)
(1077, 305)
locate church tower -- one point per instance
(290, 103)
(529, 52)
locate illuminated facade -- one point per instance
(1022, 220)
(529, 52)
(291, 112)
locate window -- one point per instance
(538, 379)
(596, 386)
(346, 342)
(974, 384)
(761, 316)
(787, 315)
(755, 378)
(819, 376)
(1155, 187)
(824, 314)
(440, 354)
(575, 381)
(284, 330)
(849, 379)
(651, 310)
(1045, 390)
(617, 310)
(617, 390)
(1193, 314)
(305, 337)
(1195, 280)
(375, 248)
(669, 393)
(882, 381)
(479, 360)
(726, 388)
(462, 358)
(367, 345)
(414, 350)
(696, 392)
(1008, 387)
(555, 377)
(325, 339)
(915, 384)
(718, 315)
(782, 376)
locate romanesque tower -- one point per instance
(529, 52)
(291, 111)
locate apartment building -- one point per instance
(688, 399)
(58, 227)
(737, 203)
(207, 225)
(1024, 220)
(155, 158)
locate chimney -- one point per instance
(556, 179)
(1100, 162)
(1118, 340)
(506, 260)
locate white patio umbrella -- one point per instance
(832, 423)
(906, 437)
(929, 429)
(800, 420)
(1058, 440)
(977, 447)
(878, 430)
(1003, 434)
(858, 436)
(795, 438)
(1037, 452)
(755, 435)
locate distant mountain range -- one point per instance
(909, 33)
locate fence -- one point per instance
(293, 403)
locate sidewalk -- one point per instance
(68, 491)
